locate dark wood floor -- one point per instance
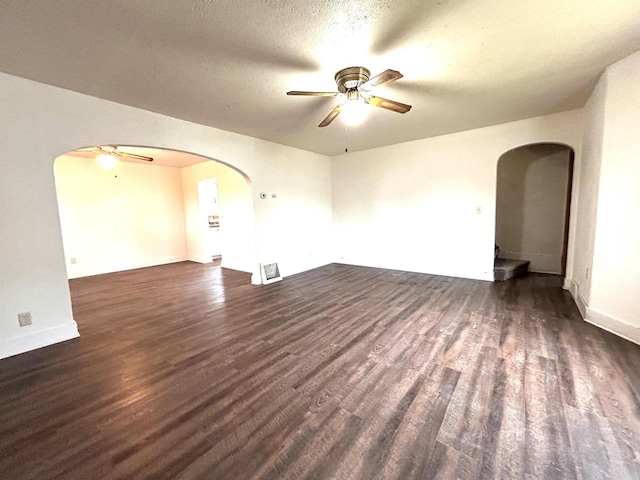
(187, 371)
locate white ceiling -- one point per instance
(228, 63)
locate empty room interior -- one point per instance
(276, 239)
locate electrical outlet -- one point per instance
(479, 210)
(73, 260)
(24, 319)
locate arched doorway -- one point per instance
(142, 213)
(533, 195)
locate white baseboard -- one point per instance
(202, 259)
(486, 276)
(102, 269)
(38, 339)
(234, 266)
(577, 297)
(600, 319)
(614, 325)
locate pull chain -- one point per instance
(346, 146)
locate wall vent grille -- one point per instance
(270, 272)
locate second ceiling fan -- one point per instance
(113, 151)
(354, 85)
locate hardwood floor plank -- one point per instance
(447, 463)
(504, 449)
(549, 453)
(372, 447)
(594, 446)
(464, 427)
(416, 438)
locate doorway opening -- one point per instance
(130, 213)
(533, 196)
(210, 219)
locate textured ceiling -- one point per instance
(228, 63)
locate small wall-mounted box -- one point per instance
(24, 319)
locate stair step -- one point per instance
(504, 269)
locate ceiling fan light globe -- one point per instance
(354, 112)
(108, 162)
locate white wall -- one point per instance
(236, 214)
(531, 201)
(41, 122)
(129, 217)
(614, 297)
(412, 206)
(586, 187)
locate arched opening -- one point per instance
(138, 213)
(533, 195)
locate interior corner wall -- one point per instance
(531, 202)
(587, 188)
(114, 220)
(413, 206)
(614, 300)
(41, 122)
(236, 214)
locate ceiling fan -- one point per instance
(354, 87)
(112, 150)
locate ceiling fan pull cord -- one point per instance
(346, 144)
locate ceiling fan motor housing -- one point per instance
(351, 78)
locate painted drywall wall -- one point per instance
(587, 174)
(236, 212)
(530, 205)
(40, 122)
(412, 206)
(615, 286)
(113, 220)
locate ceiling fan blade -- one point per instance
(133, 156)
(314, 94)
(90, 150)
(81, 153)
(383, 78)
(329, 118)
(388, 104)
